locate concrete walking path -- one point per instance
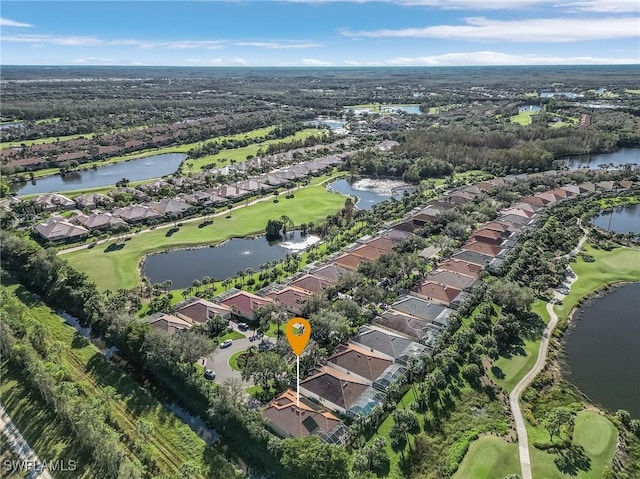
(20, 446)
(514, 397)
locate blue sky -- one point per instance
(320, 32)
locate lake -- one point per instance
(623, 219)
(602, 349)
(529, 108)
(370, 191)
(566, 94)
(134, 170)
(413, 109)
(332, 123)
(182, 266)
(13, 124)
(617, 158)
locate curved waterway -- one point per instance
(602, 349)
(182, 266)
(623, 219)
(134, 170)
(369, 191)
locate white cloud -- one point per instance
(216, 61)
(313, 62)
(85, 41)
(498, 58)
(5, 22)
(538, 30)
(278, 45)
(352, 63)
(612, 6)
(93, 61)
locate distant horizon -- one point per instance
(326, 67)
(321, 33)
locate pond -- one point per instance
(529, 108)
(566, 94)
(616, 158)
(623, 219)
(13, 124)
(413, 109)
(332, 123)
(369, 191)
(224, 261)
(134, 170)
(602, 347)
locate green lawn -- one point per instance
(619, 264)
(489, 457)
(233, 360)
(239, 155)
(594, 433)
(172, 442)
(114, 269)
(524, 117)
(232, 335)
(513, 369)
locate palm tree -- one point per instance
(196, 284)
(205, 281)
(286, 223)
(166, 285)
(241, 275)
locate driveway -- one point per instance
(219, 359)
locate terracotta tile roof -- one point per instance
(245, 303)
(367, 252)
(313, 283)
(359, 361)
(301, 420)
(330, 272)
(482, 248)
(169, 323)
(534, 200)
(349, 261)
(201, 310)
(291, 298)
(437, 292)
(462, 267)
(383, 244)
(335, 387)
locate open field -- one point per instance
(619, 264)
(118, 269)
(489, 457)
(593, 432)
(172, 443)
(238, 155)
(523, 118)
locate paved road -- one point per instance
(219, 359)
(20, 445)
(514, 397)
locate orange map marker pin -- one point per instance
(298, 331)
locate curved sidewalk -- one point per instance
(514, 397)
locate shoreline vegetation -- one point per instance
(607, 270)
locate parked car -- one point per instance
(243, 326)
(226, 343)
(209, 374)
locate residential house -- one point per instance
(243, 304)
(292, 298)
(92, 200)
(413, 328)
(313, 283)
(168, 323)
(438, 293)
(349, 261)
(288, 418)
(461, 267)
(482, 248)
(360, 362)
(330, 272)
(425, 310)
(198, 310)
(53, 202)
(137, 213)
(393, 345)
(60, 231)
(170, 206)
(473, 257)
(101, 221)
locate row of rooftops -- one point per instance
(353, 380)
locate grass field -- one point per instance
(594, 433)
(238, 155)
(233, 360)
(489, 457)
(513, 368)
(171, 442)
(114, 269)
(523, 118)
(619, 264)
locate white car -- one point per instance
(226, 343)
(209, 374)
